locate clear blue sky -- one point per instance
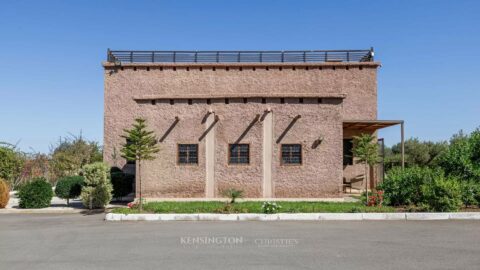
(51, 80)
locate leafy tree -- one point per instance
(366, 151)
(462, 159)
(35, 165)
(71, 154)
(417, 153)
(141, 145)
(11, 163)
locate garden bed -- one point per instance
(253, 207)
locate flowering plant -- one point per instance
(270, 207)
(131, 205)
(136, 203)
(376, 199)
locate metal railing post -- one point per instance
(131, 57)
(174, 57)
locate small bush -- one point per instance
(470, 193)
(403, 186)
(69, 187)
(97, 190)
(122, 184)
(442, 195)
(233, 194)
(4, 193)
(270, 207)
(36, 194)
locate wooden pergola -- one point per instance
(374, 125)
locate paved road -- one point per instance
(88, 242)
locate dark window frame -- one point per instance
(291, 154)
(189, 159)
(238, 155)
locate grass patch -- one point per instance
(253, 207)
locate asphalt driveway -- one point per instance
(39, 241)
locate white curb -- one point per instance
(293, 217)
(340, 216)
(469, 216)
(384, 216)
(427, 216)
(299, 216)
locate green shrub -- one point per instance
(97, 189)
(4, 193)
(233, 194)
(69, 187)
(36, 194)
(403, 187)
(270, 207)
(122, 184)
(470, 193)
(442, 195)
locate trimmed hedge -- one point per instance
(4, 193)
(69, 187)
(35, 194)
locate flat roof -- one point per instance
(303, 56)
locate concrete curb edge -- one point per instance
(293, 217)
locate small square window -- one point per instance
(292, 154)
(188, 153)
(239, 153)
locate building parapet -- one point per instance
(312, 56)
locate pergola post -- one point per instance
(402, 134)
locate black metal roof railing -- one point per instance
(240, 56)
